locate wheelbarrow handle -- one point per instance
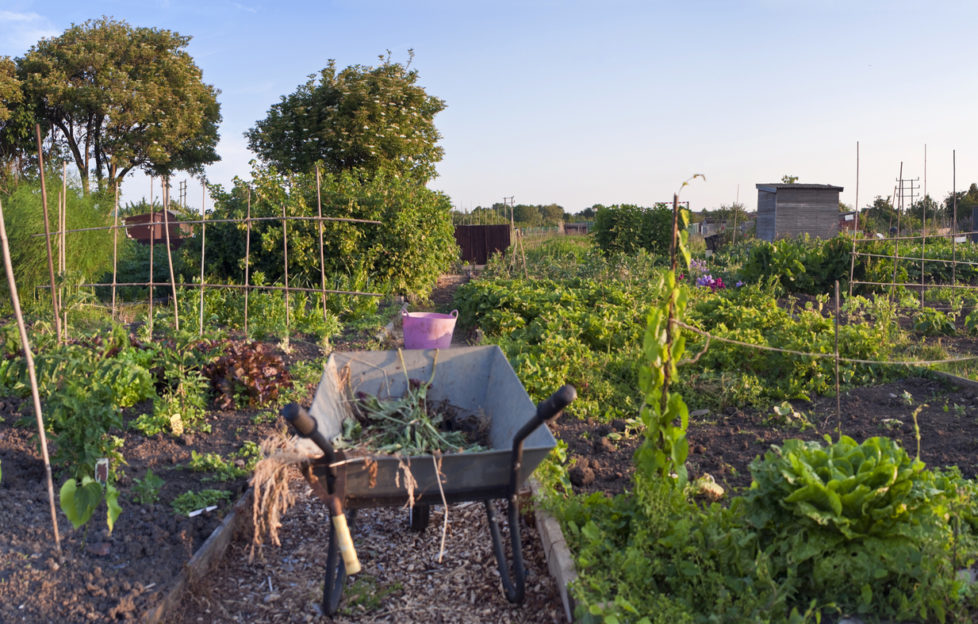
(546, 410)
(305, 426)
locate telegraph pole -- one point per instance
(508, 201)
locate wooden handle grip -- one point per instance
(345, 544)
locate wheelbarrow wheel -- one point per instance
(335, 569)
(418, 517)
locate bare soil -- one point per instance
(723, 444)
(103, 576)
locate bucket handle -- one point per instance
(404, 311)
(454, 313)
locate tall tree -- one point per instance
(527, 215)
(552, 214)
(361, 117)
(10, 93)
(16, 121)
(121, 98)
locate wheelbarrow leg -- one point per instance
(335, 569)
(515, 587)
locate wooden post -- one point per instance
(169, 253)
(954, 217)
(64, 216)
(896, 243)
(152, 251)
(32, 375)
(838, 396)
(203, 248)
(322, 256)
(247, 261)
(285, 255)
(47, 237)
(923, 246)
(115, 245)
(62, 264)
(855, 228)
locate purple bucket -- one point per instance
(428, 330)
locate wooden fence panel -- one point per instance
(479, 242)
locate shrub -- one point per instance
(87, 254)
(626, 228)
(405, 253)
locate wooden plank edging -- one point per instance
(559, 560)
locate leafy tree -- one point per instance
(526, 215)
(926, 207)
(119, 98)
(789, 179)
(878, 216)
(552, 214)
(361, 117)
(9, 87)
(16, 122)
(405, 253)
(967, 201)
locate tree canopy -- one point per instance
(119, 98)
(9, 87)
(15, 120)
(361, 117)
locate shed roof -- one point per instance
(771, 188)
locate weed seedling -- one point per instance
(147, 490)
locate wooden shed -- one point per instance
(139, 227)
(787, 210)
(479, 242)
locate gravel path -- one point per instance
(401, 581)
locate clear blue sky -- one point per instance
(585, 102)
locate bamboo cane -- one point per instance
(203, 248)
(64, 216)
(169, 253)
(838, 396)
(247, 260)
(285, 256)
(322, 255)
(115, 245)
(152, 253)
(47, 236)
(35, 395)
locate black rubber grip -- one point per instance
(552, 406)
(299, 418)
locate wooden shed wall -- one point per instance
(478, 242)
(138, 227)
(806, 211)
(765, 215)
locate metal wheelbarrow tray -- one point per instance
(476, 380)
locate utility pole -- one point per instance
(182, 193)
(907, 189)
(508, 201)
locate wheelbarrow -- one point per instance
(473, 379)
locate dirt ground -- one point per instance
(723, 444)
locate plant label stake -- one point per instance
(102, 471)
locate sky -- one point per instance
(605, 101)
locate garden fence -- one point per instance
(59, 237)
